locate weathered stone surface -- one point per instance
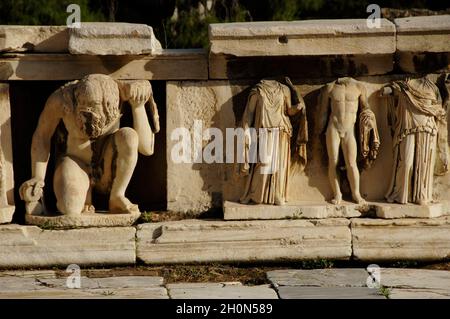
(220, 291)
(6, 214)
(308, 37)
(237, 211)
(6, 160)
(423, 34)
(117, 287)
(415, 278)
(167, 65)
(20, 38)
(293, 292)
(401, 239)
(386, 210)
(419, 294)
(351, 277)
(100, 38)
(245, 241)
(98, 219)
(30, 246)
(298, 67)
(29, 274)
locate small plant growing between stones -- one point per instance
(108, 293)
(147, 217)
(48, 225)
(385, 291)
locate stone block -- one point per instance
(415, 279)
(292, 292)
(21, 38)
(220, 291)
(423, 34)
(307, 210)
(100, 38)
(401, 239)
(433, 210)
(30, 246)
(200, 241)
(339, 277)
(308, 37)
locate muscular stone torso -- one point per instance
(344, 106)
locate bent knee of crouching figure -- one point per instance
(71, 184)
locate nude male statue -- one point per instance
(98, 153)
(343, 97)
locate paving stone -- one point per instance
(293, 292)
(220, 291)
(419, 294)
(415, 278)
(319, 277)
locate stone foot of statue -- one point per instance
(337, 199)
(121, 205)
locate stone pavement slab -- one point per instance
(415, 278)
(419, 294)
(301, 292)
(350, 277)
(145, 287)
(220, 291)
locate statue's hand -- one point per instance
(32, 190)
(139, 93)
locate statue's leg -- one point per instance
(71, 183)
(125, 144)
(350, 150)
(333, 142)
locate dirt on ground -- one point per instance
(246, 274)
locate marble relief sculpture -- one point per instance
(97, 154)
(343, 105)
(269, 107)
(419, 126)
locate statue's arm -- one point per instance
(138, 93)
(41, 142)
(31, 191)
(363, 99)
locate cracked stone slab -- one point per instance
(30, 246)
(415, 278)
(220, 291)
(146, 287)
(401, 239)
(245, 241)
(297, 292)
(317, 210)
(125, 293)
(103, 38)
(347, 277)
(419, 294)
